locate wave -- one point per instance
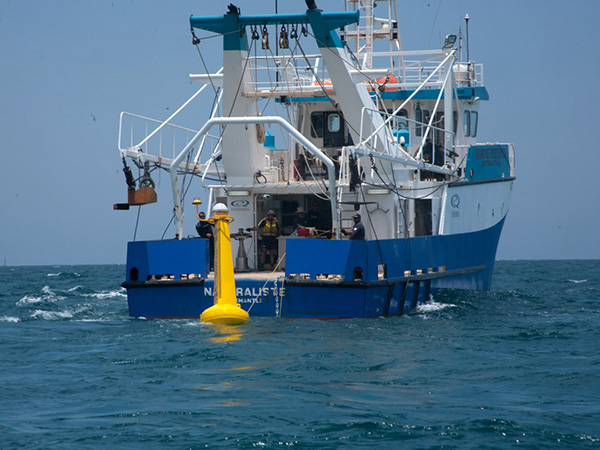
(76, 312)
(52, 315)
(433, 306)
(578, 281)
(64, 275)
(107, 294)
(9, 319)
(48, 295)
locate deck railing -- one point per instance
(297, 74)
(143, 134)
(161, 140)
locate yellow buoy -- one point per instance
(226, 309)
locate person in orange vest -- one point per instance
(270, 230)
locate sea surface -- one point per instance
(517, 367)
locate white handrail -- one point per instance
(162, 123)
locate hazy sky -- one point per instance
(70, 67)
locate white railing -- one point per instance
(140, 137)
(285, 73)
(142, 134)
(292, 73)
(411, 68)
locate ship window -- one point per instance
(419, 119)
(316, 121)
(467, 122)
(422, 117)
(474, 119)
(333, 123)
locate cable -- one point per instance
(268, 279)
(137, 221)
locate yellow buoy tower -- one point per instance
(226, 309)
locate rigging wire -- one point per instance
(196, 42)
(320, 183)
(434, 22)
(137, 221)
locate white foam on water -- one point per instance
(47, 290)
(9, 319)
(51, 315)
(28, 300)
(578, 281)
(75, 274)
(432, 306)
(47, 296)
(103, 295)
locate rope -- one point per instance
(268, 279)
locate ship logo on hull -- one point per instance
(455, 201)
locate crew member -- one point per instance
(357, 233)
(270, 230)
(315, 219)
(300, 221)
(205, 230)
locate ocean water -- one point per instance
(517, 367)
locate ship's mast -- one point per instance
(365, 34)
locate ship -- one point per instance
(350, 169)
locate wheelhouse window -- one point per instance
(333, 123)
(316, 124)
(474, 119)
(467, 122)
(329, 125)
(470, 119)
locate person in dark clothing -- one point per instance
(314, 218)
(357, 233)
(300, 221)
(205, 230)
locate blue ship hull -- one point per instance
(168, 279)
